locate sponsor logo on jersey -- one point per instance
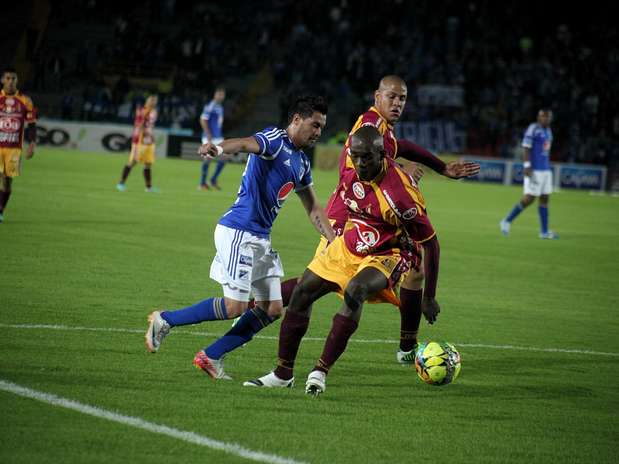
(358, 190)
(283, 193)
(10, 124)
(369, 235)
(392, 204)
(10, 101)
(409, 213)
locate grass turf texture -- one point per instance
(76, 252)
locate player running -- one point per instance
(245, 263)
(386, 221)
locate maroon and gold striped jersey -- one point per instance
(386, 215)
(16, 111)
(336, 209)
(144, 125)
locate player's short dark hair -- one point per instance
(545, 109)
(306, 106)
(8, 69)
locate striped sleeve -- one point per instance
(527, 140)
(270, 141)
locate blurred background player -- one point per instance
(245, 263)
(142, 144)
(16, 112)
(537, 174)
(379, 243)
(212, 122)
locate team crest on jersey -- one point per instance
(10, 124)
(358, 190)
(9, 101)
(547, 145)
(409, 213)
(283, 193)
(369, 235)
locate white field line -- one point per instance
(314, 339)
(189, 437)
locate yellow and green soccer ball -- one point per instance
(437, 363)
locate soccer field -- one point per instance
(536, 323)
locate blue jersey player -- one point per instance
(245, 263)
(537, 173)
(212, 121)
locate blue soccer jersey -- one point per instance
(539, 140)
(270, 176)
(213, 114)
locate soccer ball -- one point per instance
(437, 363)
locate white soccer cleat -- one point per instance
(121, 187)
(505, 226)
(213, 367)
(406, 358)
(550, 235)
(270, 381)
(158, 328)
(316, 383)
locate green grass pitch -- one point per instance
(82, 265)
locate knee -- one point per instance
(355, 294)
(300, 299)
(234, 308)
(275, 309)
(414, 279)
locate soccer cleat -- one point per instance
(203, 188)
(121, 187)
(505, 226)
(152, 190)
(158, 328)
(213, 367)
(270, 381)
(550, 235)
(406, 358)
(1, 218)
(316, 383)
(215, 186)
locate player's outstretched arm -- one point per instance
(454, 169)
(316, 213)
(229, 146)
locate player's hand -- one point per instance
(413, 170)
(430, 309)
(209, 151)
(528, 172)
(460, 169)
(30, 152)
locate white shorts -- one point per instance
(539, 183)
(216, 140)
(246, 264)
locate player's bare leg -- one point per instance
(5, 182)
(124, 175)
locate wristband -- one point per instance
(219, 149)
(527, 164)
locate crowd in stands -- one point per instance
(508, 61)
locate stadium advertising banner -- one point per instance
(94, 137)
(438, 136)
(576, 176)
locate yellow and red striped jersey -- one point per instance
(16, 111)
(384, 214)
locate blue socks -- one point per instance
(205, 165)
(212, 309)
(543, 218)
(250, 323)
(515, 212)
(218, 169)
